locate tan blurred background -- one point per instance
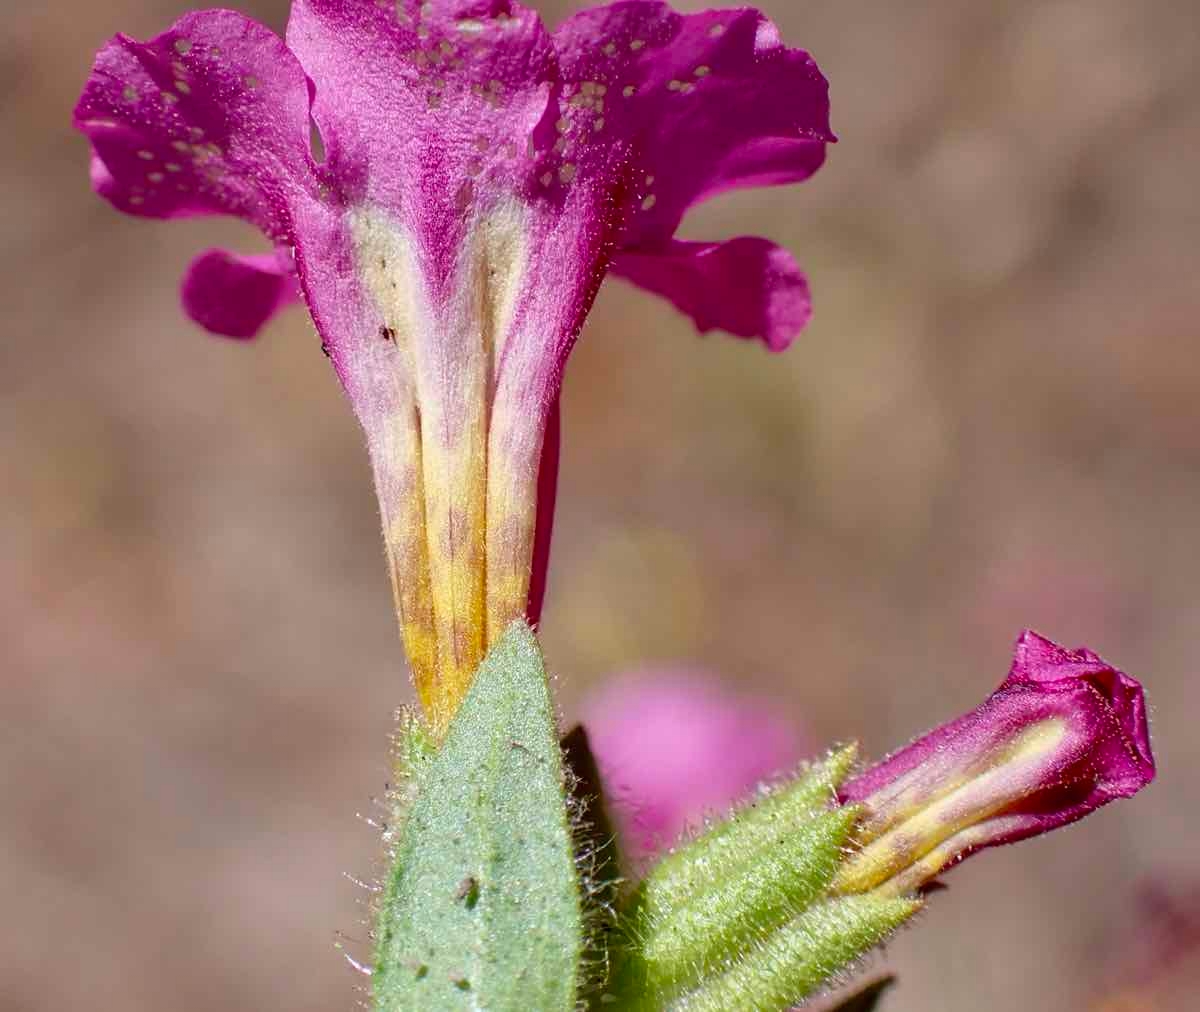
(994, 422)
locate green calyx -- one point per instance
(800, 958)
(733, 913)
(741, 918)
(730, 848)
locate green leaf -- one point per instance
(413, 750)
(482, 908)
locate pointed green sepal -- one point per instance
(800, 958)
(482, 906)
(729, 916)
(735, 845)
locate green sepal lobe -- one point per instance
(729, 916)
(802, 957)
(732, 846)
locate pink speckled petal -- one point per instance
(455, 91)
(210, 117)
(704, 103)
(748, 287)
(233, 295)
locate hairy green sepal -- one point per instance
(800, 958)
(482, 907)
(731, 848)
(741, 918)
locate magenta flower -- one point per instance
(676, 747)
(475, 179)
(1063, 735)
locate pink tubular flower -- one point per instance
(675, 746)
(1063, 735)
(479, 177)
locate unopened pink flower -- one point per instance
(675, 746)
(1063, 735)
(477, 178)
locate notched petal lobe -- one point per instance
(748, 286)
(233, 295)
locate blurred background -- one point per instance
(992, 423)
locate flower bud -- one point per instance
(1064, 734)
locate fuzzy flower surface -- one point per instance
(1064, 734)
(445, 184)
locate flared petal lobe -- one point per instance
(748, 287)
(210, 117)
(234, 295)
(1063, 735)
(708, 102)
